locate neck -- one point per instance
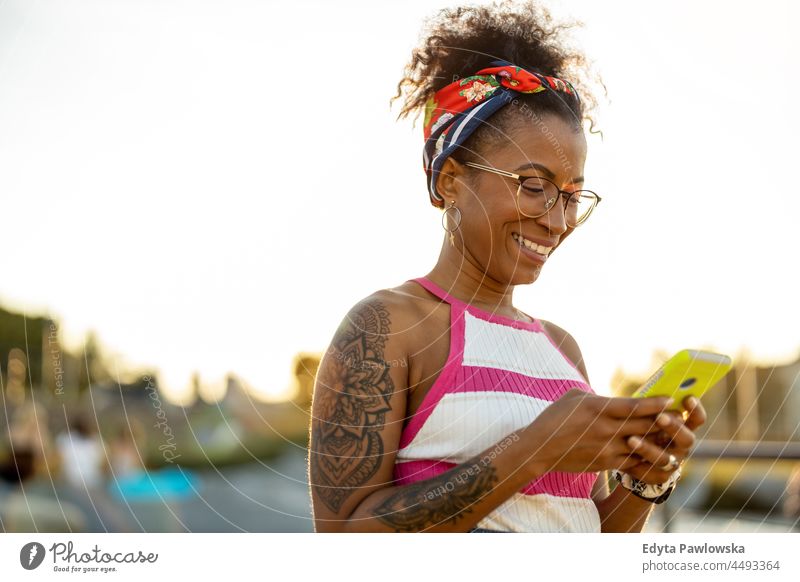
(461, 277)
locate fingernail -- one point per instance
(662, 420)
(669, 403)
(634, 441)
(691, 401)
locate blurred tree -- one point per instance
(305, 372)
(94, 368)
(24, 333)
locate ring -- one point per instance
(672, 465)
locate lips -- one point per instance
(524, 244)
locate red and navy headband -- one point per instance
(458, 109)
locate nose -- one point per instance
(554, 219)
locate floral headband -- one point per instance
(458, 109)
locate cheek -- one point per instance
(503, 214)
(493, 228)
(488, 220)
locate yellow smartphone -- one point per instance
(689, 372)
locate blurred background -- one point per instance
(178, 245)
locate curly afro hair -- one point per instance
(457, 42)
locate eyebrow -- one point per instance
(545, 170)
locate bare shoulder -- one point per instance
(567, 344)
(405, 300)
(395, 317)
(400, 306)
(409, 304)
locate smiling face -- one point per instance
(490, 219)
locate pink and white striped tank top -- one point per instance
(499, 375)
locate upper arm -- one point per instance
(357, 411)
(569, 346)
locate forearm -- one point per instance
(623, 512)
(454, 501)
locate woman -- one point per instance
(439, 406)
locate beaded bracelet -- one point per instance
(652, 492)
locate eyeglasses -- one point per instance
(536, 196)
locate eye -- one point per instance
(537, 189)
(536, 185)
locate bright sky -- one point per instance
(212, 185)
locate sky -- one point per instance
(210, 186)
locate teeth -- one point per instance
(542, 250)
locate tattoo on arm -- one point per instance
(346, 446)
(433, 501)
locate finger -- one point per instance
(648, 427)
(636, 407)
(679, 435)
(697, 414)
(661, 438)
(625, 464)
(650, 452)
(638, 426)
(642, 470)
(627, 461)
(648, 473)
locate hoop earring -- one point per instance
(452, 206)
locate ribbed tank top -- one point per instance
(499, 375)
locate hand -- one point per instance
(676, 437)
(583, 432)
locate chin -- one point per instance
(524, 275)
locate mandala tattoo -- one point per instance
(346, 445)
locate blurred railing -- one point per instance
(777, 450)
(723, 450)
